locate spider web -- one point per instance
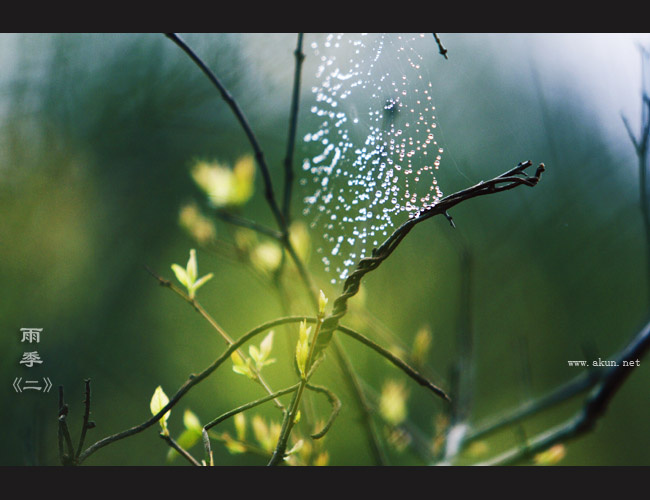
(371, 149)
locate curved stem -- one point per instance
(336, 408)
(199, 308)
(232, 413)
(259, 155)
(399, 363)
(193, 380)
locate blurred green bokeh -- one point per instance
(99, 132)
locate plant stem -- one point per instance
(290, 416)
(192, 381)
(86, 421)
(182, 451)
(293, 123)
(234, 106)
(199, 308)
(594, 408)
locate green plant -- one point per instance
(316, 330)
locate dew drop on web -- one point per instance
(370, 149)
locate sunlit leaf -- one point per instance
(302, 348)
(240, 426)
(240, 366)
(551, 456)
(191, 267)
(158, 401)
(191, 421)
(392, 402)
(181, 275)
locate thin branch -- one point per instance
(594, 408)
(293, 123)
(197, 306)
(87, 424)
(64, 433)
(641, 149)
(354, 384)
(336, 408)
(442, 50)
(509, 180)
(238, 220)
(248, 406)
(259, 155)
(192, 381)
(235, 411)
(402, 365)
(183, 452)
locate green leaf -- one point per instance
(191, 268)
(191, 422)
(181, 275)
(199, 283)
(322, 303)
(261, 355)
(187, 439)
(302, 348)
(240, 426)
(158, 401)
(266, 346)
(240, 366)
(187, 276)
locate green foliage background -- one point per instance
(98, 133)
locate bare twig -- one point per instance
(508, 180)
(641, 148)
(183, 452)
(238, 220)
(399, 363)
(594, 407)
(87, 423)
(442, 50)
(197, 306)
(293, 123)
(66, 457)
(234, 106)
